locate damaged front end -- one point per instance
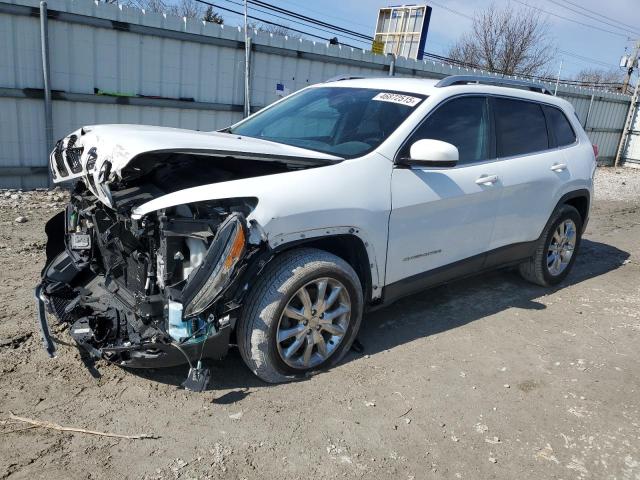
(157, 291)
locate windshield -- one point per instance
(347, 122)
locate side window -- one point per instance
(463, 122)
(560, 126)
(520, 127)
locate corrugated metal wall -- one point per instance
(194, 69)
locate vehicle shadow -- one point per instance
(420, 315)
(458, 303)
(229, 373)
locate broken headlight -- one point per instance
(214, 273)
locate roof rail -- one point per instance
(338, 78)
(486, 80)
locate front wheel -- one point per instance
(556, 250)
(302, 315)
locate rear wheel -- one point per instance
(556, 250)
(302, 315)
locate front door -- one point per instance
(444, 216)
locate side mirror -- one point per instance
(431, 153)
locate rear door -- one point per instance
(532, 167)
(443, 215)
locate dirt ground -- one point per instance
(487, 378)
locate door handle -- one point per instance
(558, 167)
(487, 180)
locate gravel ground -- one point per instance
(488, 377)
(618, 184)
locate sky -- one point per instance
(579, 46)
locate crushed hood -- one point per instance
(103, 151)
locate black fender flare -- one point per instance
(260, 260)
(580, 193)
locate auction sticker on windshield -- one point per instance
(397, 98)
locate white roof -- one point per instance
(427, 86)
(424, 86)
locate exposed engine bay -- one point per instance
(161, 290)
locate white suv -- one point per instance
(279, 232)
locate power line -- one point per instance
(572, 20)
(592, 17)
(452, 10)
(587, 59)
(273, 23)
(325, 13)
(577, 83)
(601, 15)
(297, 22)
(309, 19)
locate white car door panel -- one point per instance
(442, 215)
(530, 190)
(439, 217)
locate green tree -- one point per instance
(212, 17)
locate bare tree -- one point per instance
(187, 9)
(506, 40)
(274, 29)
(600, 75)
(156, 6)
(182, 8)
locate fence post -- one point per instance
(44, 42)
(392, 64)
(247, 72)
(586, 119)
(247, 78)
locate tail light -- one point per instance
(595, 150)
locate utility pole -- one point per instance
(628, 124)
(631, 64)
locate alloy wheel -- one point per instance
(561, 248)
(313, 323)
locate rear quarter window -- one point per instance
(560, 126)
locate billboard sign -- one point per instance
(402, 30)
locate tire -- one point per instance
(264, 319)
(536, 269)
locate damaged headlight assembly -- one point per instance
(213, 274)
(204, 286)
